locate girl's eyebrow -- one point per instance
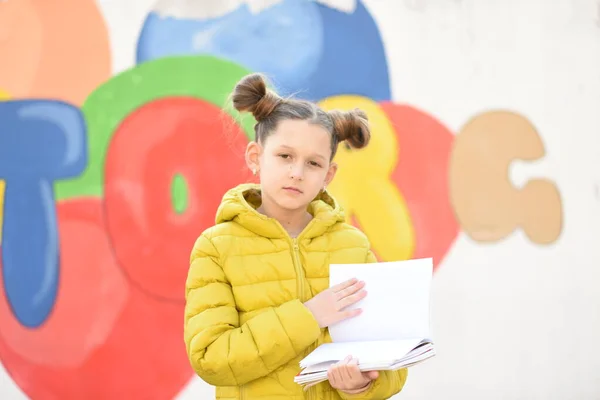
(316, 155)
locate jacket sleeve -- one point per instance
(222, 352)
(388, 383)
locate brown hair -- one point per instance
(268, 108)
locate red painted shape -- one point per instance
(104, 340)
(422, 176)
(169, 136)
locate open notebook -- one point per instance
(391, 333)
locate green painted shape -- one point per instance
(204, 77)
(179, 194)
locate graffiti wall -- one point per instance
(117, 143)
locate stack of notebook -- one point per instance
(391, 333)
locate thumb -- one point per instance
(372, 375)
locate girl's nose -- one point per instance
(297, 171)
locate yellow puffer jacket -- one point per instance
(246, 328)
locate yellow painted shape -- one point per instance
(363, 184)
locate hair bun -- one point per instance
(351, 126)
(251, 94)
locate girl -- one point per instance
(257, 296)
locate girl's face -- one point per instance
(294, 164)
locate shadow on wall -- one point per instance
(112, 178)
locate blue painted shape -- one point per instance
(283, 41)
(40, 141)
(306, 48)
(353, 60)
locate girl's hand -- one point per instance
(346, 376)
(328, 306)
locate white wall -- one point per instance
(512, 319)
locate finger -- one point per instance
(350, 313)
(343, 285)
(331, 376)
(372, 375)
(348, 301)
(345, 369)
(333, 373)
(352, 370)
(349, 290)
(337, 373)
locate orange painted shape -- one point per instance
(50, 54)
(488, 205)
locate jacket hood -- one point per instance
(240, 203)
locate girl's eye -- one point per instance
(315, 164)
(284, 155)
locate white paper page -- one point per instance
(397, 305)
(365, 352)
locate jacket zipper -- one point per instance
(299, 270)
(300, 277)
